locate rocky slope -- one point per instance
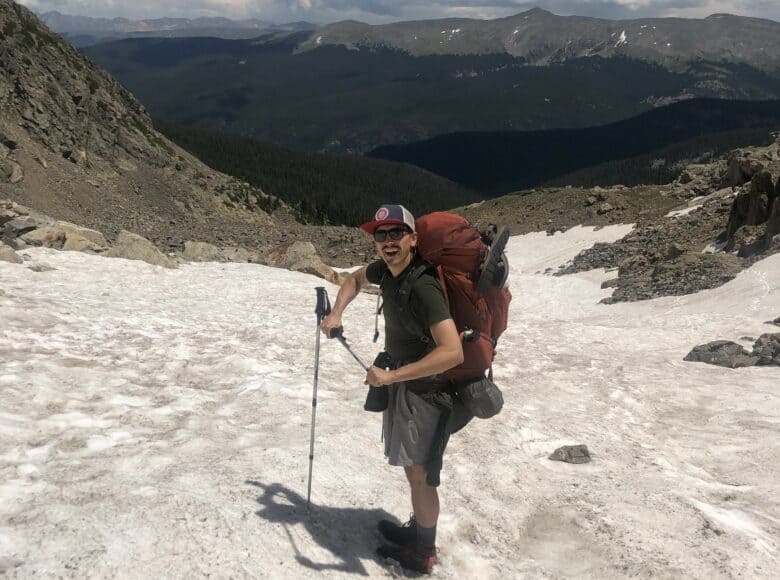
(725, 216)
(75, 145)
(78, 146)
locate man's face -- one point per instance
(396, 253)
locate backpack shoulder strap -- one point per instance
(402, 300)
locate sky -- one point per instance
(383, 11)
(156, 423)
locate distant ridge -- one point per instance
(85, 30)
(541, 37)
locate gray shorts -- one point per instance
(409, 427)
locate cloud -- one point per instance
(378, 11)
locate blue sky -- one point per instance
(380, 11)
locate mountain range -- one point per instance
(85, 30)
(352, 87)
(541, 37)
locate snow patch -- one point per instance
(714, 247)
(681, 212)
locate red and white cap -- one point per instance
(390, 214)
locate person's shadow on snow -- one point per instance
(347, 533)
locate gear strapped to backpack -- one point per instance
(472, 269)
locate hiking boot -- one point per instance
(413, 557)
(494, 269)
(401, 534)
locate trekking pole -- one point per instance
(337, 333)
(322, 310)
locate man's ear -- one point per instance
(413, 239)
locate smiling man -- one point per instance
(416, 387)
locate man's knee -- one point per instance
(416, 474)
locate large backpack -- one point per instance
(456, 250)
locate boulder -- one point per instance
(234, 254)
(92, 236)
(77, 243)
(301, 257)
(751, 207)
(66, 236)
(673, 250)
(9, 211)
(571, 454)
(767, 349)
(131, 246)
(11, 171)
(749, 240)
(46, 237)
(741, 169)
(773, 217)
(685, 177)
(7, 254)
(17, 220)
(78, 156)
(202, 252)
(19, 226)
(772, 245)
(724, 353)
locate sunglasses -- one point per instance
(394, 234)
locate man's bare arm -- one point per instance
(346, 294)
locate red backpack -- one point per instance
(478, 303)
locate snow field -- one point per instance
(155, 423)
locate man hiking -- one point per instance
(411, 421)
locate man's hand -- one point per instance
(329, 324)
(377, 377)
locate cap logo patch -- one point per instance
(382, 213)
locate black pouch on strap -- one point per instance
(481, 397)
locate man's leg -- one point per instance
(425, 503)
(420, 554)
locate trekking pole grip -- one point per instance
(323, 303)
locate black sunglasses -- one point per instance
(395, 234)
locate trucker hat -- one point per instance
(389, 214)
